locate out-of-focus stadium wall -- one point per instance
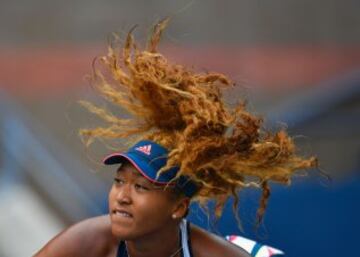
(295, 61)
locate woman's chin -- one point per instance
(121, 233)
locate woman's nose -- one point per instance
(123, 195)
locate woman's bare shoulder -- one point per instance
(90, 237)
(207, 244)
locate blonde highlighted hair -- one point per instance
(223, 149)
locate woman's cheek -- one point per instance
(111, 197)
(159, 208)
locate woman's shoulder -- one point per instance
(90, 237)
(204, 243)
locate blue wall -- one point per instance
(309, 218)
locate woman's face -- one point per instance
(138, 207)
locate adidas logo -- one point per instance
(146, 149)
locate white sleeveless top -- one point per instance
(252, 247)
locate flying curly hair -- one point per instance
(223, 149)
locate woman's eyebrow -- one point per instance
(137, 173)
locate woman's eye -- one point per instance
(118, 181)
(141, 187)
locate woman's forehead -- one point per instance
(127, 166)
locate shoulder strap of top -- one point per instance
(185, 238)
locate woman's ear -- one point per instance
(181, 208)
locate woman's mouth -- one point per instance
(122, 213)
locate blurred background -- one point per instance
(296, 62)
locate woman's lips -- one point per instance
(122, 213)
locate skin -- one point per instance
(137, 199)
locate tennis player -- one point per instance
(187, 145)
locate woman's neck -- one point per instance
(162, 243)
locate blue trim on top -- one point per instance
(255, 249)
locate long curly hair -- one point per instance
(223, 149)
